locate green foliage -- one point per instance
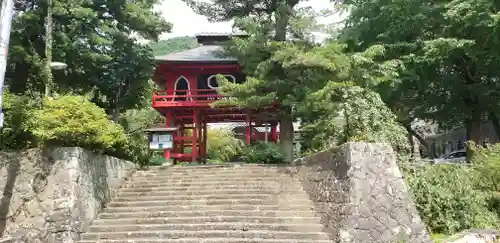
(450, 75)
(448, 200)
(15, 133)
(135, 122)
(486, 162)
(157, 160)
(89, 36)
(222, 145)
(263, 153)
(75, 121)
(343, 112)
(176, 44)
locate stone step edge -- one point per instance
(238, 224)
(219, 211)
(101, 220)
(207, 231)
(121, 198)
(162, 199)
(208, 207)
(209, 192)
(202, 240)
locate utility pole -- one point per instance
(48, 50)
(5, 25)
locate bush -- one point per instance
(486, 162)
(157, 160)
(222, 145)
(135, 121)
(75, 121)
(15, 132)
(447, 198)
(265, 153)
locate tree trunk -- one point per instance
(116, 110)
(418, 136)
(286, 137)
(496, 124)
(473, 126)
(411, 142)
(283, 12)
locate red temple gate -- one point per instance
(189, 87)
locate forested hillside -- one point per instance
(176, 44)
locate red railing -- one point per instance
(187, 97)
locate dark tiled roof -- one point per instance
(209, 53)
(221, 34)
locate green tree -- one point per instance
(268, 22)
(84, 37)
(125, 82)
(448, 50)
(176, 44)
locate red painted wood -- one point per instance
(186, 114)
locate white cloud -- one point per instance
(187, 23)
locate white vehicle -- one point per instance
(458, 156)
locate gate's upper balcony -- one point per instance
(188, 78)
(189, 98)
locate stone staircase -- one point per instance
(209, 204)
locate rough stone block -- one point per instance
(52, 196)
(360, 192)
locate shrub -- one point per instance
(222, 145)
(486, 162)
(135, 121)
(75, 121)
(266, 153)
(157, 160)
(447, 199)
(15, 132)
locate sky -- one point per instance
(187, 23)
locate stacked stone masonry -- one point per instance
(353, 193)
(360, 194)
(53, 196)
(210, 204)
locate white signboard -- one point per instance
(161, 141)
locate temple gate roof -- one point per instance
(208, 51)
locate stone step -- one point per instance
(236, 178)
(210, 215)
(206, 234)
(247, 172)
(176, 208)
(233, 180)
(255, 170)
(206, 193)
(210, 240)
(203, 202)
(167, 184)
(211, 188)
(205, 197)
(211, 226)
(211, 173)
(296, 219)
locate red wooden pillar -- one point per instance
(204, 142)
(194, 140)
(248, 131)
(200, 137)
(274, 132)
(168, 123)
(182, 141)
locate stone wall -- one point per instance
(52, 196)
(359, 191)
